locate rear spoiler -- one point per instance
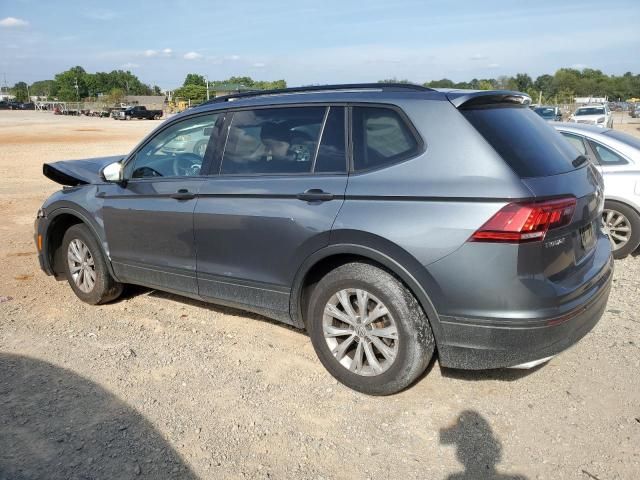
(486, 98)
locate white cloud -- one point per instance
(579, 66)
(478, 56)
(259, 65)
(167, 52)
(129, 65)
(192, 56)
(233, 57)
(13, 22)
(493, 65)
(150, 53)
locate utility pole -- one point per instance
(207, 78)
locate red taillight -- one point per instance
(526, 222)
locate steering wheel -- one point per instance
(186, 164)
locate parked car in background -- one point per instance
(598, 115)
(358, 213)
(549, 113)
(617, 156)
(634, 111)
(4, 105)
(139, 112)
(27, 106)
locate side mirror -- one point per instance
(113, 172)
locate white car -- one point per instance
(617, 156)
(598, 115)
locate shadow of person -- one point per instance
(55, 424)
(478, 449)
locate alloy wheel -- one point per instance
(81, 265)
(360, 332)
(617, 227)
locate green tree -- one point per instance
(44, 88)
(443, 83)
(194, 79)
(521, 82)
(67, 82)
(21, 92)
(195, 93)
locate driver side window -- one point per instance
(179, 150)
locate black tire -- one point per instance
(634, 223)
(415, 346)
(105, 288)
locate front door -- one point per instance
(273, 202)
(149, 217)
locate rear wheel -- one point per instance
(621, 223)
(368, 330)
(86, 269)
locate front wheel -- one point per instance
(621, 223)
(86, 269)
(368, 330)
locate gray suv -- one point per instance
(392, 222)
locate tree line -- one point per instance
(194, 87)
(78, 84)
(561, 87)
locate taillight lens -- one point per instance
(526, 222)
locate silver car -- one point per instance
(617, 155)
(598, 115)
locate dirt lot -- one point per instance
(155, 386)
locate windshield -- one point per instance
(590, 111)
(545, 112)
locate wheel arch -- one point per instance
(324, 260)
(623, 201)
(59, 221)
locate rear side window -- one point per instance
(524, 140)
(605, 155)
(380, 137)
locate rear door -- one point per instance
(270, 203)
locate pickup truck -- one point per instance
(139, 111)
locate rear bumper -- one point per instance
(477, 344)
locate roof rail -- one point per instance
(321, 88)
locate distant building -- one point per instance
(152, 102)
(583, 100)
(6, 97)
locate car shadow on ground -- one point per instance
(56, 424)
(477, 448)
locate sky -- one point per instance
(312, 42)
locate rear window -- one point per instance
(524, 140)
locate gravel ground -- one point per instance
(157, 386)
